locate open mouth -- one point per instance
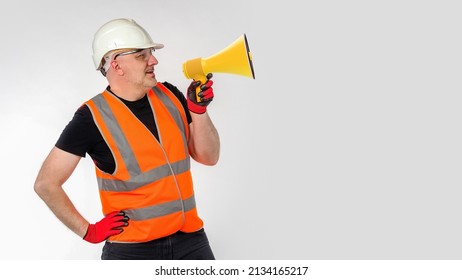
(150, 72)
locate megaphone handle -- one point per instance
(203, 80)
(198, 88)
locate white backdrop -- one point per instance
(347, 145)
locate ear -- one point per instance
(115, 65)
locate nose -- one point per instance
(153, 60)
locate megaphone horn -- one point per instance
(234, 59)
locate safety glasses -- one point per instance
(143, 54)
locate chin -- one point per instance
(151, 84)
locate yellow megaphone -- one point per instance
(234, 59)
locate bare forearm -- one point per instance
(204, 141)
(60, 204)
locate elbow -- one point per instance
(209, 160)
(40, 188)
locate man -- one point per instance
(140, 135)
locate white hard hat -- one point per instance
(120, 33)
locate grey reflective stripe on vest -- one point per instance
(116, 132)
(160, 210)
(173, 110)
(144, 178)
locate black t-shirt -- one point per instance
(81, 136)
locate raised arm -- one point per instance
(204, 141)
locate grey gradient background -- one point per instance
(347, 145)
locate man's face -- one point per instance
(138, 67)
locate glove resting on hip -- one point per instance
(110, 225)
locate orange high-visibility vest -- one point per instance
(152, 182)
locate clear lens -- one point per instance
(144, 54)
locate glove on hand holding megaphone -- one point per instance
(199, 98)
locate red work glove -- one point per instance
(205, 95)
(110, 225)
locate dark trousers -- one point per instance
(178, 246)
